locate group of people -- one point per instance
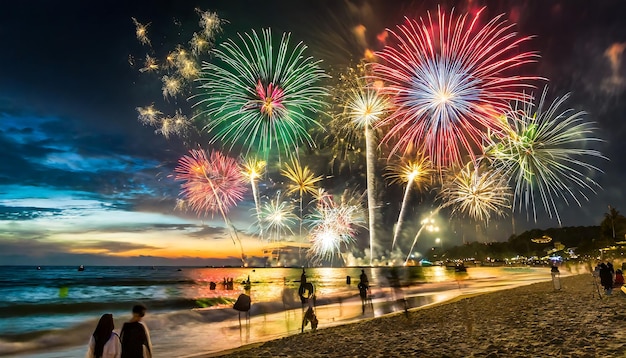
(609, 277)
(132, 342)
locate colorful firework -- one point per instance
(477, 192)
(449, 79)
(333, 225)
(409, 172)
(366, 107)
(545, 150)
(261, 95)
(212, 183)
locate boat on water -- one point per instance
(81, 268)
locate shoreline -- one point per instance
(529, 320)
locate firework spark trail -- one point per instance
(449, 81)
(412, 172)
(253, 168)
(425, 224)
(261, 95)
(366, 107)
(212, 183)
(477, 192)
(302, 181)
(546, 149)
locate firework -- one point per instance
(366, 107)
(411, 172)
(277, 216)
(171, 86)
(149, 65)
(449, 80)
(210, 23)
(302, 181)
(545, 150)
(141, 31)
(261, 94)
(333, 225)
(477, 192)
(149, 115)
(178, 125)
(177, 71)
(428, 224)
(198, 44)
(212, 183)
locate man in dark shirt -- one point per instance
(135, 336)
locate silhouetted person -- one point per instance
(104, 343)
(363, 279)
(303, 277)
(606, 278)
(135, 336)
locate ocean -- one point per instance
(51, 311)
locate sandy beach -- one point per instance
(528, 321)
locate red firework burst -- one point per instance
(212, 181)
(450, 79)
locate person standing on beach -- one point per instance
(104, 343)
(303, 277)
(606, 278)
(135, 336)
(363, 278)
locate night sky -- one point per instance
(82, 181)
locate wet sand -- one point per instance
(528, 321)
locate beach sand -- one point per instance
(528, 321)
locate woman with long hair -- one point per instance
(104, 342)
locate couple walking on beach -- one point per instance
(133, 341)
